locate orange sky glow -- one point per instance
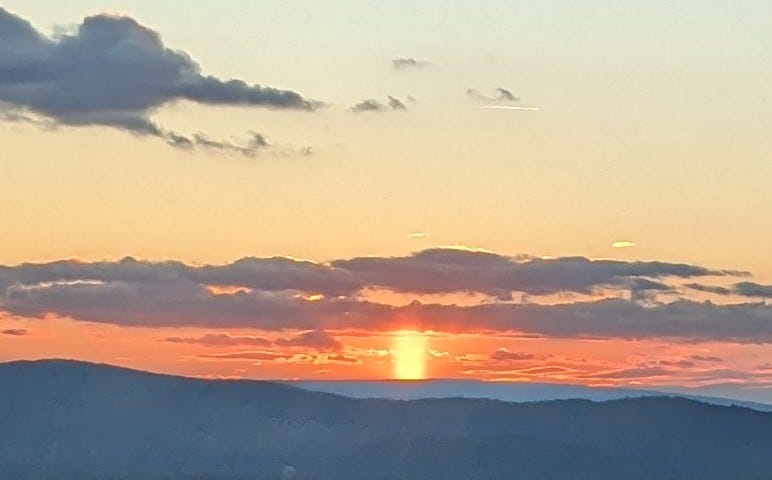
(385, 355)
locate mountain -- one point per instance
(68, 420)
(504, 391)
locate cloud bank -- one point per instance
(277, 294)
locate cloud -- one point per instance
(257, 356)
(256, 143)
(505, 95)
(709, 288)
(745, 289)
(316, 339)
(501, 95)
(623, 244)
(417, 234)
(373, 105)
(502, 354)
(15, 332)
(645, 289)
(396, 104)
(221, 340)
(337, 358)
(113, 71)
(632, 373)
(277, 294)
(406, 63)
(706, 358)
(271, 274)
(445, 270)
(430, 271)
(750, 289)
(369, 105)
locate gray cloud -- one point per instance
(442, 270)
(706, 358)
(372, 105)
(173, 305)
(256, 143)
(221, 340)
(368, 105)
(396, 104)
(252, 356)
(502, 354)
(407, 63)
(113, 71)
(709, 288)
(632, 373)
(750, 289)
(316, 339)
(501, 95)
(15, 332)
(746, 289)
(506, 95)
(436, 270)
(276, 294)
(645, 289)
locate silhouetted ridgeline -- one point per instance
(75, 421)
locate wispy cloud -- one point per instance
(373, 105)
(500, 95)
(221, 340)
(14, 332)
(405, 63)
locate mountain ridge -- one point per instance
(79, 421)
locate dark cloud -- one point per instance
(709, 288)
(407, 63)
(706, 358)
(644, 289)
(253, 356)
(221, 340)
(450, 270)
(438, 270)
(316, 339)
(505, 95)
(750, 289)
(285, 294)
(114, 72)
(369, 105)
(15, 332)
(396, 104)
(268, 274)
(372, 105)
(746, 289)
(684, 364)
(632, 373)
(501, 95)
(502, 354)
(338, 358)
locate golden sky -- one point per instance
(357, 132)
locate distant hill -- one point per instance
(67, 420)
(505, 391)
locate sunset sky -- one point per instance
(572, 192)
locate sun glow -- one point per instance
(409, 355)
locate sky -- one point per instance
(502, 190)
